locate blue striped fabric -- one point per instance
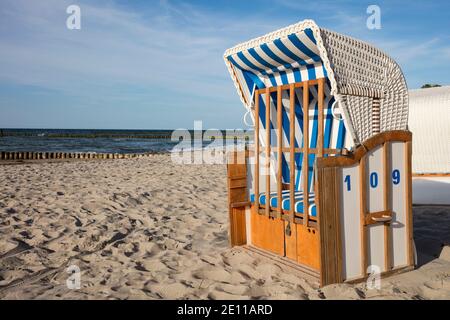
(294, 58)
(286, 202)
(334, 137)
(334, 130)
(291, 59)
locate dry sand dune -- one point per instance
(148, 229)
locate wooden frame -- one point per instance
(386, 204)
(359, 156)
(368, 145)
(257, 151)
(237, 197)
(305, 167)
(431, 175)
(292, 149)
(329, 233)
(363, 210)
(288, 86)
(280, 151)
(267, 171)
(292, 152)
(409, 226)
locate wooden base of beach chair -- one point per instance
(280, 236)
(294, 241)
(267, 233)
(363, 224)
(382, 275)
(308, 252)
(304, 271)
(286, 265)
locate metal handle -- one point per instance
(288, 229)
(249, 112)
(333, 107)
(383, 218)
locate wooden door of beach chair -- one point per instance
(312, 98)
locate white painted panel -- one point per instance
(376, 246)
(349, 219)
(375, 202)
(248, 225)
(251, 175)
(399, 243)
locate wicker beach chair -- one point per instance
(330, 119)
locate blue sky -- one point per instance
(158, 64)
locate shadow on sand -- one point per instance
(431, 231)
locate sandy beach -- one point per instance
(149, 229)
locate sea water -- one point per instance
(89, 140)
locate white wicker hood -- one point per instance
(360, 75)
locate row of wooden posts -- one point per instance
(18, 155)
(320, 150)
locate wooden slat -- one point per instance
(236, 177)
(305, 167)
(291, 151)
(298, 216)
(237, 197)
(386, 205)
(267, 164)
(238, 185)
(329, 226)
(320, 153)
(280, 150)
(363, 210)
(320, 106)
(288, 86)
(315, 150)
(240, 204)
(383, 275)
(368, 145)
(238, 232)
(408, 205)
(317, 200)
(257, 152)
(431, 175)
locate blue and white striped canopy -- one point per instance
(294, 58)
(279, 60)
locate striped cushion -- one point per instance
(285, 204)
